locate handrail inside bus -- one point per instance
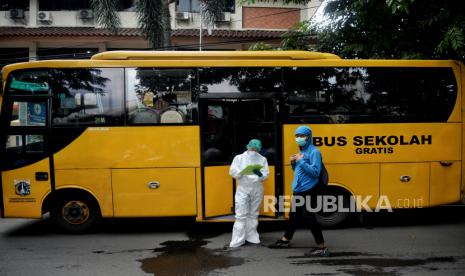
(209, 55)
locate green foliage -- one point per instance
(433, 29)
(300, 37)
(453, 40)
(154, 22)
(106, 15)
(211, 10)
(242, 2)
(261, 46)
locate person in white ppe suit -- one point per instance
(249, 193)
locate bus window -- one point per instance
(369, 95)
(32, 144)
(87, 96)
(243, 80)
(160, 96)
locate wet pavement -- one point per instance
(414, 242)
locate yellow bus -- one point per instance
(152, 134)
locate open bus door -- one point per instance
(228, 122)
(26, 166)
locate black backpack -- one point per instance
(324, 177)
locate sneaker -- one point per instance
(280, 244)
(318, 252)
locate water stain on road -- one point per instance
(375, 266)
(338, 254)
(188, 257)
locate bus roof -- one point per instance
(196, 55)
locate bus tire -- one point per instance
(75, 213)
(334, 219)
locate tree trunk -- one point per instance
(166, 21)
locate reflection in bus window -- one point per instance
(29, 82)
(369, 95)
(160, 96)
(87, 96)
(25, 144)
(234, 80)
(28, 114)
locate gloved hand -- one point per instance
(257, 172)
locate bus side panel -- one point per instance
(218, 191)
(461, 88)
(96, 181)
(132, 147)
(22, 193)
(154, 192)
(401, 150)
(373, 143)
(445, 183)
(405, 185)
(456, 115)
(359, 179)
(198, 187)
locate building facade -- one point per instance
(48, 29)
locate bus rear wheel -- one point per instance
(75, 213)
(336, 218)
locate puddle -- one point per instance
(375, 266)
(338, 254)
(378, 262)
(121, 251)
(187, 257)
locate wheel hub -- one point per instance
(75, 212)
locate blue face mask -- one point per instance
(301, 141)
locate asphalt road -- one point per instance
(418, 242)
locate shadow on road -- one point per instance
(411, 217)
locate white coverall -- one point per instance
(248, 198)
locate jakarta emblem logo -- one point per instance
(23, 187)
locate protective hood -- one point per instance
(255, 144)
(305, 130)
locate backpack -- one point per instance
(324, 177)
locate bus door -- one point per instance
(25, 164)
(228, 123)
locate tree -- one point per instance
(412, 29)
(394, 29)
(154, 17)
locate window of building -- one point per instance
(194, 6)
(13, 55)
(369, 95)
(6, 5)
(59, 5)
(87, 96)
(161, 96)
(66, 53)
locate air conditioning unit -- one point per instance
(44, 16)
(224, 17)
(86, 14)
(16, 14)
(183, 15)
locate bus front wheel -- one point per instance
(75, 213)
